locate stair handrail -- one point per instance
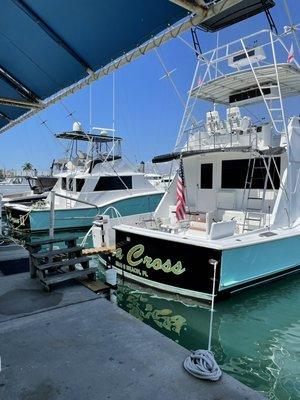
(52, 208)
(77, 200)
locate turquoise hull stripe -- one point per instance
(82, 218)
(247, 263)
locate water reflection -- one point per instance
(255, 334)
(138, 305)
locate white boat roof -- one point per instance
(218, 90)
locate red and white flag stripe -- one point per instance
(180, 194)
(291, 56)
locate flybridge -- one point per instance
(253, 69)
(48, 60)
(241, 87)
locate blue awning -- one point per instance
(47, 45)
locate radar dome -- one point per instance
(77, 127)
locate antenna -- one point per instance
(168, 75)
(113, 113)
(292, 27)
(217, 55)
(90, 107)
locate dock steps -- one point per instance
(52, 253)
(53, 266)
(50, 280)
(63, 263)
(49, 240)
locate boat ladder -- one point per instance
(254, 198)
(68, 199)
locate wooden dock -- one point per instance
(96, 286)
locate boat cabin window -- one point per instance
(248, 94)
(79, 184)
(67, 183)
(17, 181)
(206, 176)
(113, 183)
(64, 183)
(234, 173)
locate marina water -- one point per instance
(255, 333)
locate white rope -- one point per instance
(202, 364)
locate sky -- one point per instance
(147, 109)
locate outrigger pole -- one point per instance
(172, 32)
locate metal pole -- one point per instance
(90, 130)
(77, 200)
(217, 56)
(214, 263)
(52, 210)
(1, 214)
(113, 113)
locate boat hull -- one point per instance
(149, 261)
(80, 218)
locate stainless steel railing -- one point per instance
(52, 208)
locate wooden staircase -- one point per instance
(54, 266)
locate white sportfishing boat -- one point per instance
(90, 184)
(235, 201)
(15, 185)
(39, 187)
(159, 176)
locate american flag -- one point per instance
(291, 56)
(180, 195)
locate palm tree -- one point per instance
(27, 167)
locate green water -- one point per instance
(255, 334)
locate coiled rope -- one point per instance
(202, 364)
